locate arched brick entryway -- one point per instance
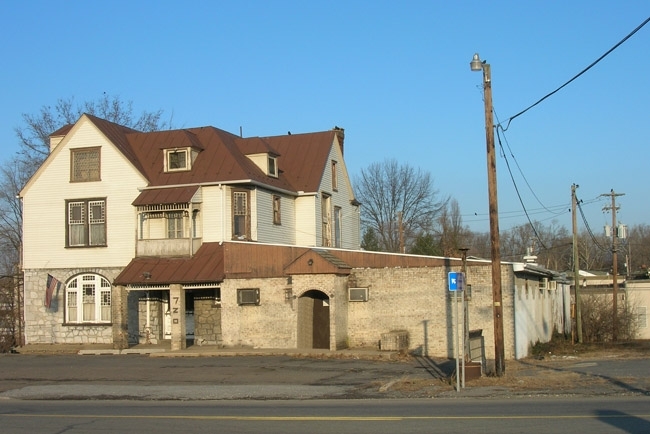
(314, 320)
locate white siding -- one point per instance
(216, 224)
(45, 214)
(267, 231)
(307, 220)
(350, 237)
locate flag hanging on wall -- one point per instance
(52, 284)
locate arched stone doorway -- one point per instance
(314, 320)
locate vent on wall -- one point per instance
(543, 283)
(358, 294)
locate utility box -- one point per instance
(396, 340)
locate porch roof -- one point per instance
(165, 196)
(206, 266)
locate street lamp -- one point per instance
(499, 353)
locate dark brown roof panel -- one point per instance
(206, 266)
(166, 196)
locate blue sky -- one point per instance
(395, 75)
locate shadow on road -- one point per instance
(623, 421)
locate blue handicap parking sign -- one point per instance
(456, 281)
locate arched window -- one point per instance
(88, 299)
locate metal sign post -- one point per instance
(457, 284)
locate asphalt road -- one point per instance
(532, 415)
(139, 377)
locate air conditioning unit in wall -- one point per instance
(357, 294)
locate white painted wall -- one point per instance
(350, 226)
(44, 209)
(538, 313)
(214, 220)
(638, 292)
(307, 220)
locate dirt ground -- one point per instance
(547, 372)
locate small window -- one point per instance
(85, 165)
(276, 211)
(249, 296)
(335, 178)
(177, 160)
(273, 167)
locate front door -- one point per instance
(314, 320)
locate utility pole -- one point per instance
(497, 309)
(614, 209)
(576, 264)
(465, 312)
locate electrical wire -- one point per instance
(579, 74)
(591, 234)
(514, 183)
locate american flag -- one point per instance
(52, 284)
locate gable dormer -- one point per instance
(179, 159)
(267, 162)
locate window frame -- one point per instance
(277, 210)
(244, 218)
(87, 220)
(89, 174)
(335, 176)
(338, 226)
(88, 289)
(326, 220)
(272, 164)
(175, 225)
(168, 160)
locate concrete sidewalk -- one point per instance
(164, 350)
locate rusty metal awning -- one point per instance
(206, 266)
(165, 196)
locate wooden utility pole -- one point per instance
(497, 309)
(614, 209)
(576, 264)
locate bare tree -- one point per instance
(453, 235)
(399, 203)
(33, 138)
(34, 133)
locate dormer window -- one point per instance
(177, 160)
(273, 166)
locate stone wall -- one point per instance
(46, 325)
(207, 319)
(151, 333)
(418, 300)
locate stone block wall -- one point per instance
(207, 319)
(46, 325)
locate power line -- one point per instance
(580, 73)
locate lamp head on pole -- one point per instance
(476, 64)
